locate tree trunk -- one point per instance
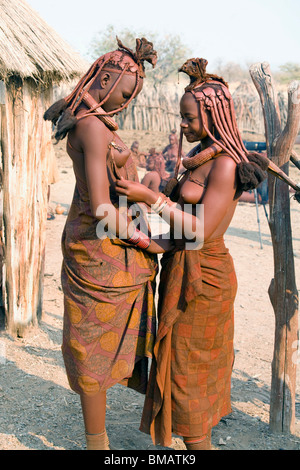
(282, 291)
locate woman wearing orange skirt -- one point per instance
(107, 278)
(190, 379)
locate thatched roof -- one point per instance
(29, 47)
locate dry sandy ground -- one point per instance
(39, 412)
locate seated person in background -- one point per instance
(152, 178)
(173, 134)
(138, 157)
(152, 152)
(156, 176)
(160, 166)
(170, 153)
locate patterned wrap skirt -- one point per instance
(190, 378)
(109, 312)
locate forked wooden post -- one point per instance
(282, 291)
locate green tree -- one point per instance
(105, 41)
(288, 72)
(230, 71)
(172, 53)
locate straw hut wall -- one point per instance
(32, 58)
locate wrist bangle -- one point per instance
(160, 204)
(139, 239)
(161, 207)
(156, 204)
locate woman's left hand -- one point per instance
(135, 192)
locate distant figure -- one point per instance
(138, 157)
(152, 178)
(170, 153)
(152, 152)
(156, 176)
(174, 134)
(160, 165)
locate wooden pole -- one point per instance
(282, 291)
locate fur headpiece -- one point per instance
(144, 52)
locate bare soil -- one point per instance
(38, 411)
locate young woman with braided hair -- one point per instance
(190, 378)
(109, 317)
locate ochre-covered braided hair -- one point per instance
(212, 94)
(121, 61)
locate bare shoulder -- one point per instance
(224, 166)
(224, 161)
(223, 172)
(92, 127)
(151, 175)
(90, 123)
(155, 175)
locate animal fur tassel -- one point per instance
(65, 123)
(170, 186)
(54, 112)
(250, 175)
(265, 164)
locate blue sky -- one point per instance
(233, 30)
